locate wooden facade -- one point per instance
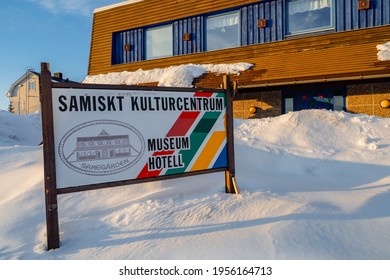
(345, 54)
(24, 94)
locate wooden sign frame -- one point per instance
(49, 149)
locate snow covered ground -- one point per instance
(314, 185)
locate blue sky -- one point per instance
(53, 31)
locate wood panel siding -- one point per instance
(336, 55)
(348, 55)
(349, 17)
(143, 13)
(318, 57)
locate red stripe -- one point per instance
(183, 124)
(145, 173)
(162, 153)
(203, 94)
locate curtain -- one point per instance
(299, 6)
(222, 21)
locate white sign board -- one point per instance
(106, 135)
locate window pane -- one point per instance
(338, 103)
(288, 105)
(159, 42)
(309, 15)
(222, 31)
(31, 85)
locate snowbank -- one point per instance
(20, 129)
(173, 76)
(315, 185)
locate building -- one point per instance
(305, 53)
(103, 146)
(24, 93)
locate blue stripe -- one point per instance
(222, 159)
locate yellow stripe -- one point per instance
(209, 151)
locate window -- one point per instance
(159, 42)
(309, 15)
(31, 85)
(288, 105)
(314, 97)
(222, 31)
(338, 103)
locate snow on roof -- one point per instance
(384, 51)
(116, 5)
(173, 76)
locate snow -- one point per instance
(108, 7)
(314, 185)
(383, 51)
(173, 76)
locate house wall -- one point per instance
(125, 25)
(25, 98)
(139, 14)
(345, 53)
(360, 97)
(266, 103)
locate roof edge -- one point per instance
(25, 76)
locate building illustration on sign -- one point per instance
(87, 151)
(104, 146)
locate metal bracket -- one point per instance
(52, 207)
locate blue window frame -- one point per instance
(159, 41)
(304, 16)
(223, 31)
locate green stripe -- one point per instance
(222, 94)
(196, 139)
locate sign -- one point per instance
(108, 135)
(101, 136)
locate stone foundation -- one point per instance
(366, 99)
(266, 104)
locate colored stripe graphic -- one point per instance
(209, 151)
(222, 95)
(179, 128)
(222, 160)
(183, 124)
(203, 94)
(146, 173)
(197, 137)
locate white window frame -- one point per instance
(151, 45)
(237, 12)
(31, 85)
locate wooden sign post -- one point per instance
(52, 228)
(230, 173)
